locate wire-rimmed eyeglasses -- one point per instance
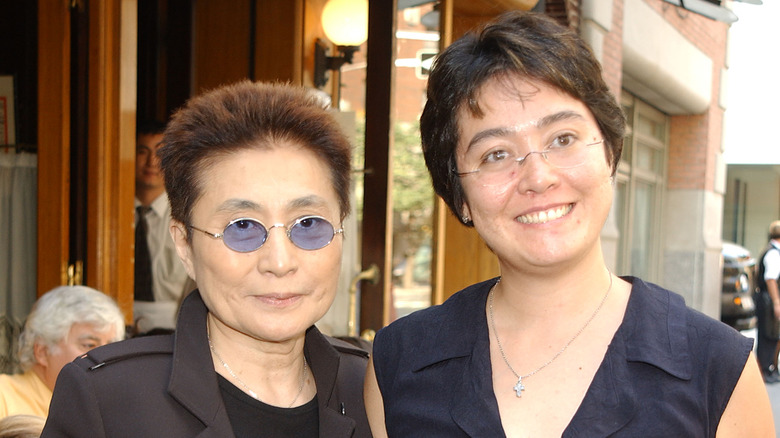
(247, 234)
(499, 165)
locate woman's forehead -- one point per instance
(264, 178)
(526, 103)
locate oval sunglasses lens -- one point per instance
(311, 233)
(245, 235)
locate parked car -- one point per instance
(737, 307)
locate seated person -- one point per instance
(64, 323)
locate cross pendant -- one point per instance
(519, 387)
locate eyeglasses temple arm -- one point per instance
(214, 235)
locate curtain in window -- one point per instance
(18, 245)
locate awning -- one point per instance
(711, 8)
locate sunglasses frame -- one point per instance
(288, 231)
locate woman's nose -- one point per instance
(278, 255)
(535, 174)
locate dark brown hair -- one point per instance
(524, 44)
(248, 115)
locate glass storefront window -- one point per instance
(412, 194)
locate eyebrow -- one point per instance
(238, 204)
(244, 204)
(541, 123)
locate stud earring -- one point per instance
(466, 219)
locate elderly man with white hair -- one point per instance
(64, 323)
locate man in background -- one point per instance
(768, 305)
(160, 278)
(64, 323)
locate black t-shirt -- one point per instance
(253, 418)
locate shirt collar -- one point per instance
(454, 328)
(158, 206)
(666, 348)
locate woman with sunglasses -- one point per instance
(258, 178)
(522, 138)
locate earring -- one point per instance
(466, 219)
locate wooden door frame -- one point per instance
(377, 203)
(111, 110)
(53, 144)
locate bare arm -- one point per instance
(771, 286)
(374, 404)
(748, 412)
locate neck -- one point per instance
(40, 371)
(540, 296)
(271, 371)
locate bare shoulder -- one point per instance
(748, 412)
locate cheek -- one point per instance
(486, 199)
(322, 271)
(66, 354)
(218, 267)
(601, 191)
(596, 175)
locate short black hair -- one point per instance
(149, 127)
(528, 45)
(243, 116)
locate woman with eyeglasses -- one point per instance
(258, 178)
(522, 138)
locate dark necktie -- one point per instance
(143, 260)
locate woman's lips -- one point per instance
(279, 300)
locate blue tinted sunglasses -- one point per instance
(247, 234)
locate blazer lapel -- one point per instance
(335, 425)
(324, 361)
(193, 382)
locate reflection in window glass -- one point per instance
(639, 188)
(412, 194)
(620, 206)
(652, 128)
(642, 234)
(648, 158)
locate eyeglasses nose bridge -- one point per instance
(277, 225)
(522, 160)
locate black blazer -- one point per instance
(166, 386)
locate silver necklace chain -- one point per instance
(519, 387)
(249, 390)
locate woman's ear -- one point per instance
(465, 214)
(183, 248)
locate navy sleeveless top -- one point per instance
(668, 372)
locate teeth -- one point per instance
(545, 216)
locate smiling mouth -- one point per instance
(541, 217)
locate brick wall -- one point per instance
(695, 140)
(612, 58)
